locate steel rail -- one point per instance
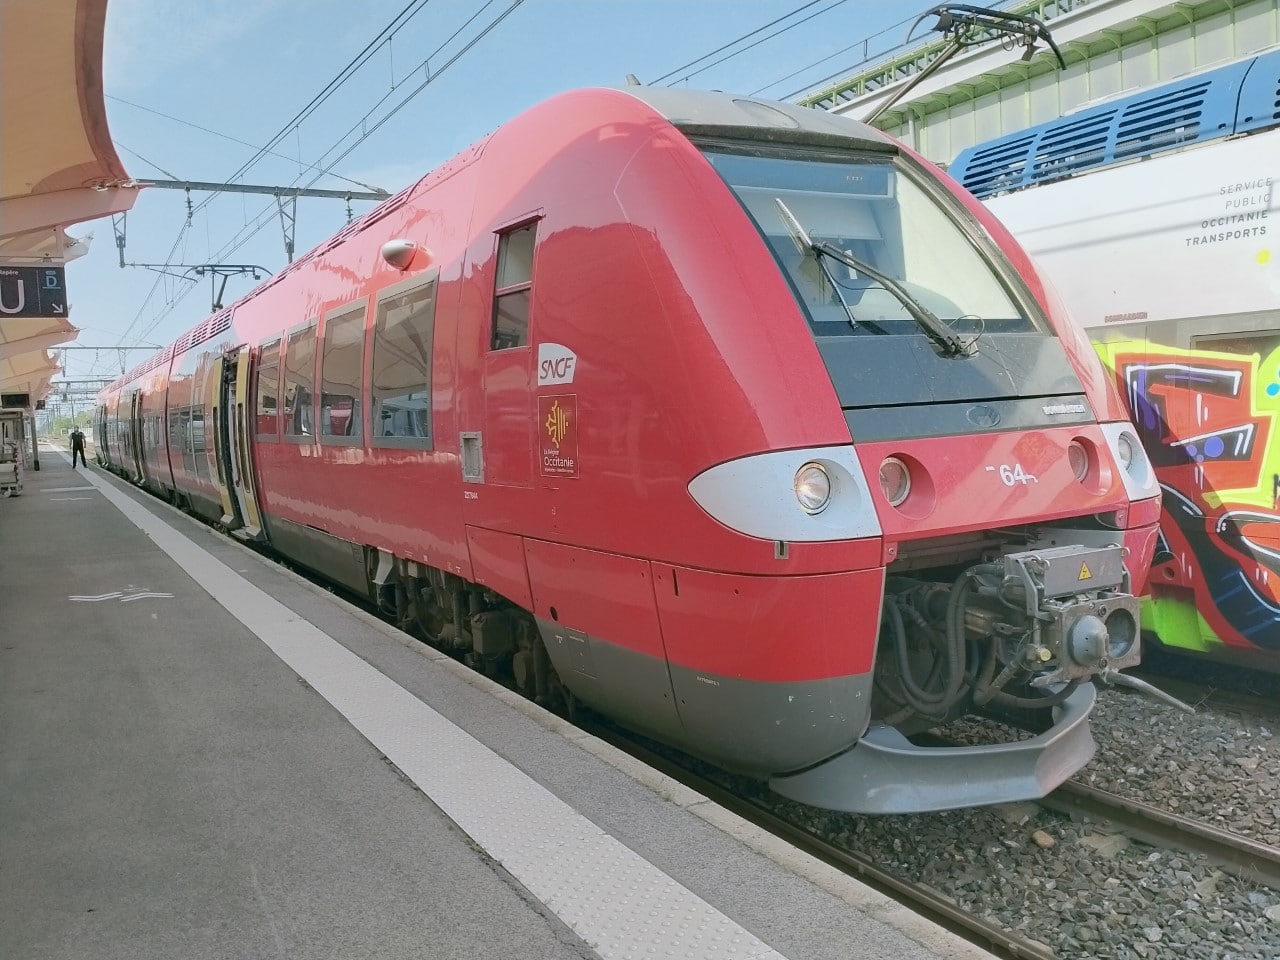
(1222, 689)
(1240, 856)
(921, 898)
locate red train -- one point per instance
(736, 421)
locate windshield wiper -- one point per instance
(934, 328)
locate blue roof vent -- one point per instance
(1162, 121)
(1072, 144)
(1237, 98)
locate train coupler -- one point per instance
(1076, 598)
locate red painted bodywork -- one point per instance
(692, 351)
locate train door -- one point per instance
(100, 436)
(507, 370)
(232, 444)
(137, 461)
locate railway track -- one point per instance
(1225, 690)
(1245, 858)
(921, 898)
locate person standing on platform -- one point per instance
(77, 447)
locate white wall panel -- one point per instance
(1256, 27)
(1215, 40)
(1177, 52)
(1138, 66)
(1044, 98)
(1104, 75)
(986, 117)
(1073, 86)
(1014, 108)
(935, 142)
(960, 131)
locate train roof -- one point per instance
(713, 113)
(694, 112)
(1239, 98)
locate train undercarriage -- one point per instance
(1006, 625)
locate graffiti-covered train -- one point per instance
(1157, 217)
(731, 420)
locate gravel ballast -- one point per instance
(1081, 887)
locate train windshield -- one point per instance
(868, 251)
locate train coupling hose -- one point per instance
(1119, 679)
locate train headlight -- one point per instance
(1078, 458)
(802, 496)
(1122, 633)
(812, 486)
(1135, 471)
(895, 480)
(1124, 450)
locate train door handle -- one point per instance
(1275, 490)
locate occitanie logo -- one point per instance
(557, 423)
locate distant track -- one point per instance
(1225, 691)
(1238, 855)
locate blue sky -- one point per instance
(244, 71)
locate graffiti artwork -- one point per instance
(1208, 419)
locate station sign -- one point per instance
(33, 292)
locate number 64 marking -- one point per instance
(1009, 475)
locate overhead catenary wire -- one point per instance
(750, 46)
(216, 133)
(392, 27)
(362, 124)
(672, 73)
(150, 163)
(906, 44)
(396, 24)
(367, 130)
(864, 43)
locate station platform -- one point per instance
(204, 755)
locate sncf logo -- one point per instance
(556, 364)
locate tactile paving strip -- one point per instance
(615, 900)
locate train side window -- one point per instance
(268, 417)
(401, 361)
(1260, 342)
(341, 370)
(299, 383)
(195, 439)
(514, 289)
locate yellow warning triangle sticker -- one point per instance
(1084, 572)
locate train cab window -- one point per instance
(341, 373)
(401, 378)
(268, 416)
(887, 245)
(514, 288)
(299, 383)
